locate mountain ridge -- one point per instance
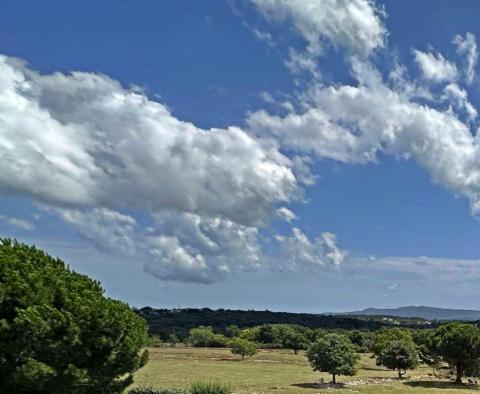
(421, 311)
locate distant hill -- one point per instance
(164, 321)
(424, 312)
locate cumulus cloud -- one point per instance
(87, 149)
(81, 140)
(354, 123)
(298, 250)
(467, 47)
(356, 25)
(106, 229)
(21, 224)
(434, 66)
(195, 248)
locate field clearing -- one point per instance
(277, 371)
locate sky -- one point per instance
(289, 155)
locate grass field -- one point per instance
(278, 371)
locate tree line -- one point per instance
(163, 322)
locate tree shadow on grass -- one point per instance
(319, 385)
(432, 384)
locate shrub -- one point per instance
(58, 332)
(151, 390)
(205, 337)
(243, 347)
(209, 388)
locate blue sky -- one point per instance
(279, 157)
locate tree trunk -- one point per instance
(333, 378)
(243, 356)
(401, 373)
(295, 351)
(459, 377)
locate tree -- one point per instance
(426, 351)
(58, 332)
(205, 337)
(459, 345)
(334, 354)
(243, 347)
(232, 331)
(173, 339)
(294, 340)
(399, 355)
(387, 335)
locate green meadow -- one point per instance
(280, 371)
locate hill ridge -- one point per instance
(420, 311)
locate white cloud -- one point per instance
(459, 98)
(467, 46)
(87, 149)
(21, 224)
(355, 24)
(82, 140)
(411, 270)
(434, 66)
(107, 230)
(193, 248)
(286, 214)
(354, 123)
(267, 97)
(298, 250)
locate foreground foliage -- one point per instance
(58, 332)
(195, 388)
(209, 388)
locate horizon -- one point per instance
(245, 155)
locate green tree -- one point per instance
(173, 339)
(400, 355)
(292, 339)
(232, 331)
(334, 354)
(426, 350)
(386, 335)
(459, 345)
(243, 347)
(205, 337)
(58, 332)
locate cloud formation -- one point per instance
(434, 66)
(467, 47)
(355, 25)
(354, 123)
(93, 151)
(298, 251)
(81, 140)
(21, 224)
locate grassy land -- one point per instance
(277, 371)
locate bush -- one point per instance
(209, 388)
(195, 388)
(243, 347)
(58, 332)
(205, 337)
(151, 390)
